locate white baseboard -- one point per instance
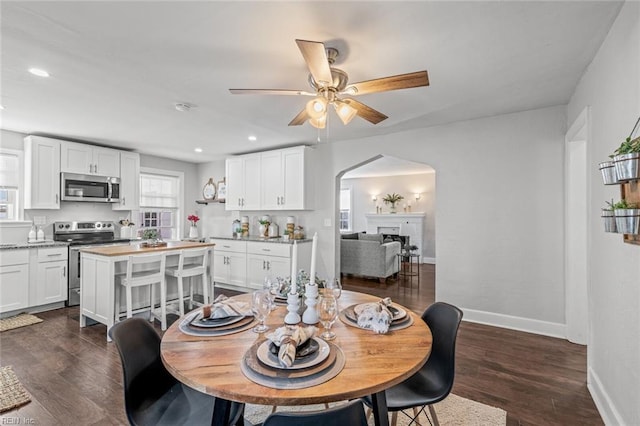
(528, 325)
(431, 260)
(608, 412)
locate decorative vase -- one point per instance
(193, 231)
(262, 230)
(393, 208)
(627, 166)
(627, 221)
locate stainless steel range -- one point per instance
(80, 235)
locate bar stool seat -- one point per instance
(192, 263)
(149, 270)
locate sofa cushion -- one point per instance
(370, 237)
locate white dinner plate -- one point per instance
(397, 312)
(198, 321)
(271, 360)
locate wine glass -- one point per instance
(261, 307)
(334, 287)
(327, 312)
(272, 286)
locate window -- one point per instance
(10, 184)
(160, 203)
(345, 209)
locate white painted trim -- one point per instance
(528, 325)
(181, 216)
(580, 122)
(430, 260)
(610, 415)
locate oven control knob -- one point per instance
(109, 225)
(61, 226)
(67, 226)
(98, 225)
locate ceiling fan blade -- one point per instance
(402, 81)
(368, 113)
(270, 92)
(300, 118)
(315, 56)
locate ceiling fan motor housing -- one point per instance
(340, 80)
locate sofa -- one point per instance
(367, 255)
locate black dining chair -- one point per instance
(433, 382)
(351, 414)
(152, 396)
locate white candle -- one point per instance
(314, 246)
(294, 268)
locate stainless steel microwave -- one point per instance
(97, 189)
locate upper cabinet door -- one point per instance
(129, 182)
(252, 185)
(89, 160)
(294, 179)
(235, 183)
(76, 158)
(106, 162)
(271, 180)
(42, 173)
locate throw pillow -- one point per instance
(353, 236)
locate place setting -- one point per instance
(292, 357)
(224, 316)
(380, 317)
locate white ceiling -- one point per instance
(388, 166)
(118, 67)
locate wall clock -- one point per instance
(209, 190)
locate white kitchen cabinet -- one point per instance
(42, 173)
(243, 182)
(282, 180)
(269, 259)
(89, 160)
(14, 280)
(129, 182)
(51, 284)
(230, 262)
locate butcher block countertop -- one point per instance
(136, 249)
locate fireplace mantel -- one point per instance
(411, 224)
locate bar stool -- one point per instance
(192, 262)
(150, 271)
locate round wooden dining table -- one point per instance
(373, 363)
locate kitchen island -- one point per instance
(100, 268)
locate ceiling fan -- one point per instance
(331, 87)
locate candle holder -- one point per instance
(310, 315)
(293, 304)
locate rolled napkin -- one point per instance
(223, 307)
(375, 315)
(288, 338)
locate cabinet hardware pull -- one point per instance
(64, 271)
(226, 246)
(95, 168)
(264, 265)
(268, 265)
(55, 254)
(266, 249)
(56, 198)
(124, 201)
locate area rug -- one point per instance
(21, 320)
(12, 393)
(454, 410)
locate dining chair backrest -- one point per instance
(193, 260)
(153, 270)
(145, 376)
(444, 320)
(351, 414)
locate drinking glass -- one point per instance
(327, 312)
(261, 307)
(335, 288)
(272, 286)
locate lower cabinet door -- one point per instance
(256, 270)
(14, 290)
(52, 282)
(237, 263)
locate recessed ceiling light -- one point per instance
(198, 150)
(183, 106)
(252, 138)
(1, 106)
(38, 72)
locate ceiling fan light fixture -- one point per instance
(345, 111)
(317, 107)
(318, 123)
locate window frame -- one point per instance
(180, 198)
(20, 188)
(349, 211)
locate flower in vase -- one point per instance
(193, 219)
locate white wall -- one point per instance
(405, 185)
(611, 87)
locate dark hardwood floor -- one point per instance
(75, 378)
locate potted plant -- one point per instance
(627, 217)
(392, 199)
(626, 159)
(609, 218)
(150, 234)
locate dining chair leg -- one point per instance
(369, 412)
(205, 289)
(394, 418)
(129, 309)
(180, 295)
(152, 302)
(273, 409)
(163, 304)
(190, 292)
(433, 415)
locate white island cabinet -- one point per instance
(14, 275)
